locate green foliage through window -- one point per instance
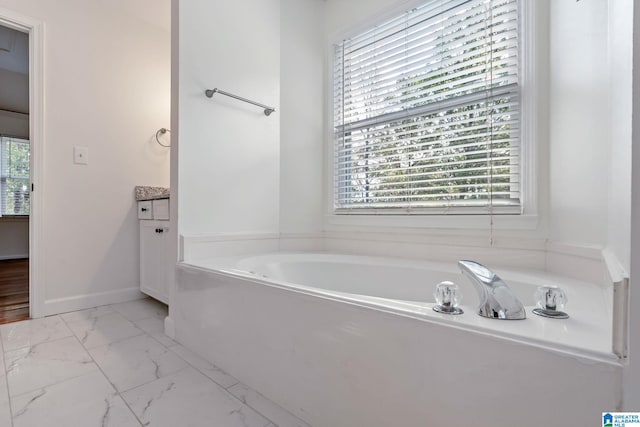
(427, 110)
(14, 176)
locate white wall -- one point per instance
(229, 150)
(620, 50)
(302, 90)
(107, 86)
(14, 241)
(344, 15)
(579, 111)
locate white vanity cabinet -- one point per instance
(154, 247)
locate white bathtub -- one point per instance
(343, 340)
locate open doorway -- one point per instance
(15, 181)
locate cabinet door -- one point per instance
(154, 237)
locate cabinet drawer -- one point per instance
(145, 210)
(161, 209)
(153, 209)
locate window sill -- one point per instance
(455, 222)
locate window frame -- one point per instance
(468, 218)
(5, 176)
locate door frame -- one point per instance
(35, 29)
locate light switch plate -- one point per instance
(81, 155)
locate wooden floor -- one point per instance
(14, 290)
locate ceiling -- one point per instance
(14, 50)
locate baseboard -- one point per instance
(81, 302)
(14, 256)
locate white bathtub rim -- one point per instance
(529, 277)
(426, 315)
(520, 274)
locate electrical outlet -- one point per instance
(81, 155)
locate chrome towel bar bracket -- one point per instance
(267, 110)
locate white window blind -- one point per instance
(14, 176)
(426, 112)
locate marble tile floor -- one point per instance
(112, 366)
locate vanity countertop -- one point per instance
(151, 193)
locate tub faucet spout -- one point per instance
(497, 301)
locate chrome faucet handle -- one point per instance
(550, 302)
(447, 298)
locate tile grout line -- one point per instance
(73, 335)
(167, 347)
(37, 344)
(152, 335)
(118, 392)
(105, 375)
(269, 401)
(42, 342)
(155, 379)
(142, 332)
(6, 380)
(233, 385)
(226, 389)
(31, 346)
(199, 370)
(189, 365)
(263, 397)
